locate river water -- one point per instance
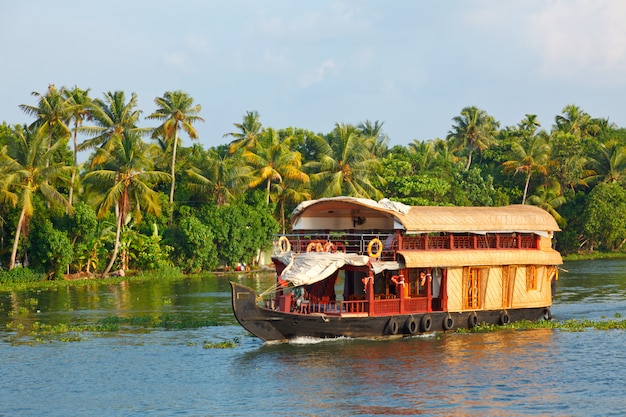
(144, 371)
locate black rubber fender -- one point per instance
(504, 318)
(411, 325)
(392, 326)
(448, 322)
(472, 320)
(547, 314)
(426, 323)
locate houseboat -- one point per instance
(360, 268)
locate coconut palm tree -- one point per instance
(248, 132)
(549, 197)
(177, 111)
(610, 163)
(575, 121)
(80, 104)
(375, 130)
(30, 169)
(531, 153)
(52, 112)
(344, 165)
(219, 174)
(125, 182)
(473, 130)
(113, 116)
(272, 160)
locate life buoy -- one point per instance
(379, 248)
(472, 320)
(284, 245)
(411, 325)
(448, 322)
(314, 246)
(547, 314)
(504, 318)
(392, 326)
(427, 323)
(329, 247)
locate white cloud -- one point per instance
(581, 37)
(316, 75)
(315, 24)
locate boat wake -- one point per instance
(308, 340)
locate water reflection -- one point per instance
(461, 372)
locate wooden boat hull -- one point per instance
(272, 325)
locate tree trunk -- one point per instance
(74, 167)
(526, 186)
(469, 159)
(116, 246)
(173, 172)
(20, 224)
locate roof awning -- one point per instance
(458, 258)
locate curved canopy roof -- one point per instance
(424, 219)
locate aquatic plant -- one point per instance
(221, 345)
(572, 325)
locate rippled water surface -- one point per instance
(156, 372)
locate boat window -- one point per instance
(471, 288)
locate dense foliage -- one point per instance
(142, 200)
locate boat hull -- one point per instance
(272, 325)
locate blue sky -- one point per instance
(310, 64)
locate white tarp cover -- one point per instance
(310, 267)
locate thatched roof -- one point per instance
(452, 258)
(518, 218)
(424, 219)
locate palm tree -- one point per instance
(272, 160)
(30, 169)
(548, 197)
(610, 164)
(375, 131)
(219, 174)
(344, 165)
(125, 182)
(80, 104)
(52, 112)
(530, 154)
(248, 132)
(287, 192)
(177, 111)
(575, 121)
(113, 116)
(473, 130)
(425, 153)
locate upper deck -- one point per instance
(389, 231)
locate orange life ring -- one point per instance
(329, 247)
(284, 245)
(314, 245)
(379, 248)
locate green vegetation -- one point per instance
(573, 325)
(144, 200)
(36, 332)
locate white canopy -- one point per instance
(311, 267)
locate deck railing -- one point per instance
(391, 243)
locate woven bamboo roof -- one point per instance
(455, 258)
(458, 219)
(423, 219)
